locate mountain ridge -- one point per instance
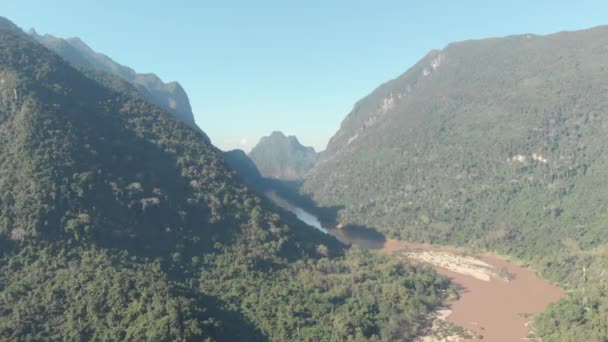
(496, 144)
(169, 96)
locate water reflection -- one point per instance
(351, 234)
(300, 213)
(358, 235)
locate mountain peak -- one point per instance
(10, 26)
(277, 134)
(7, 24)
(283, 157)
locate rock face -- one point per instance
(283, 157)
(169, 96)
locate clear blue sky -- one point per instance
(251, 67)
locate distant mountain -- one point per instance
(169, 96)
(498, 144)
(119, 222)
(282, 157)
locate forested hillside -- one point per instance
(119, 222)
(495, 144)
(245, 168)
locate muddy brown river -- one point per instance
(494, 308)
(499, 309)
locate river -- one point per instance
(300, 213)
(493, 307)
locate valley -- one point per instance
(121, 222)
(463, 200)
(497, 299)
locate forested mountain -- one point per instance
(245, 168)
(498, 144)
(283, 157)
(119, 222)
(169, 96)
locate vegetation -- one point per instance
(359, 297)
(442, 329)
(87, 294)
(495, 144)
(582, 315)
(245, 168)
(119, 222)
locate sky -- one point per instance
(253, 67)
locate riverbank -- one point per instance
(497, 299)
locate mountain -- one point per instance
(8, 25)
(169, 96)
(496, 144)
(283, 157)
(245, 168)
(120, 222)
